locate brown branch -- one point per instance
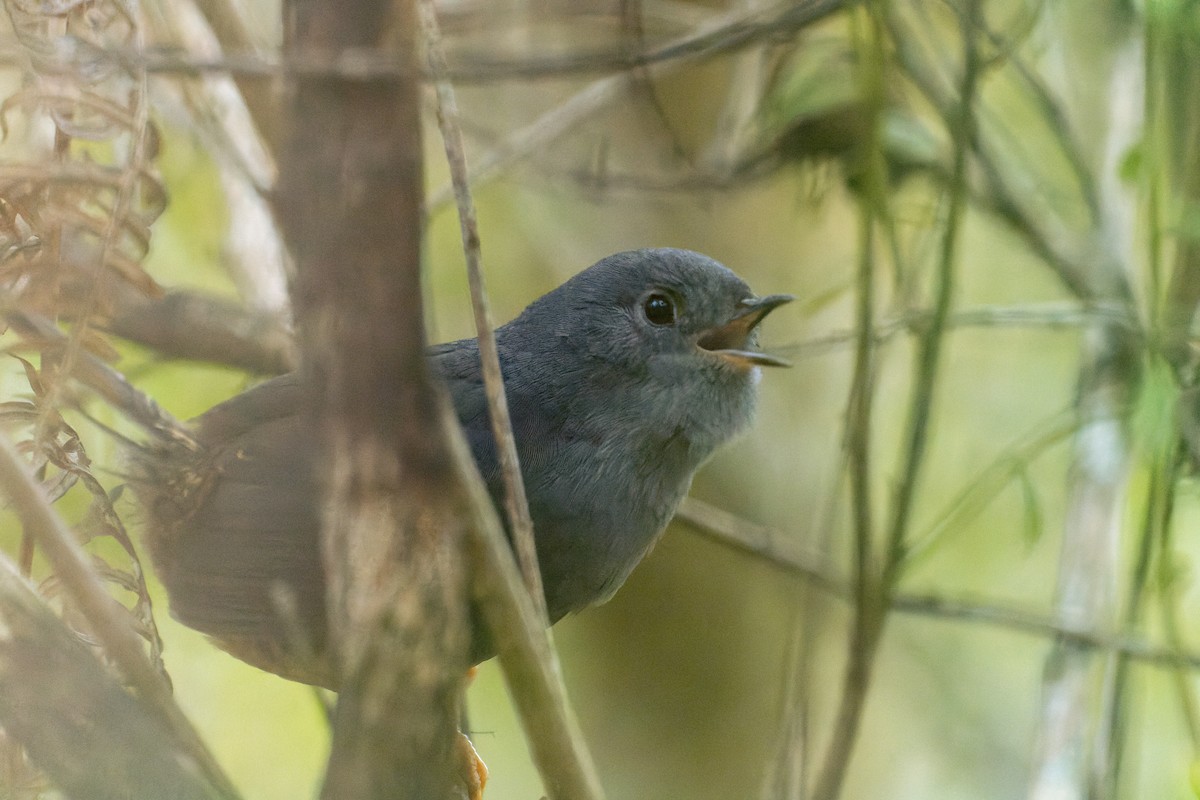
(107, 620)
(105, 381)
(524, 649)
(349, 202)
(90, 736)
(515, 501)
(769, 544)
(527, 656)
(202, 327)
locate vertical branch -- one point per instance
(1116, 723)
(962, 129)
(516, 504)
(1172, 98)
(1162, 458)
(519, 624)
(524, 651)
(1170, 589)
(395, 510)
(1175, 117)
(1073, 747)
(1170, 185)
(858, 440)
(1086, 570)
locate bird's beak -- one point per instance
(731, 340)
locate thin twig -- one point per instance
(777, 548)
(559, 751)
(867, 617)
(107, 619)
(1058, 124)
(108, 383)
(1041, 315)
(533, 677)
(595, 96)
(515, 501)
(873, 590)
(728, 34)
(1172, 588)
(929, 353)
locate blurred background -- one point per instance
(952, 557)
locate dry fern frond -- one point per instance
(60, 460)
(78, 194)
(75, 212)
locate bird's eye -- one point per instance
(659, 309)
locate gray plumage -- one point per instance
(612, 414)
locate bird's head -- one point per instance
(663, 338)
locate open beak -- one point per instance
(731, 340)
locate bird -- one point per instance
(620, 383)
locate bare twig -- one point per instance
(101, 378)
(771, 545)
(515, 501)
(591, 99)
(867, 623)
(200, 327)
(525, 654)
(929, 348)
(730, 34)
(1042, 316)
(529, 661)
(777, 548)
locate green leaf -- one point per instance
(1132, 167)
(1034, 525)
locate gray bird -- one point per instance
(621, 383)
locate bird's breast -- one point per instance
(598, 506)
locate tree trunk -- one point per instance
(349, 199)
